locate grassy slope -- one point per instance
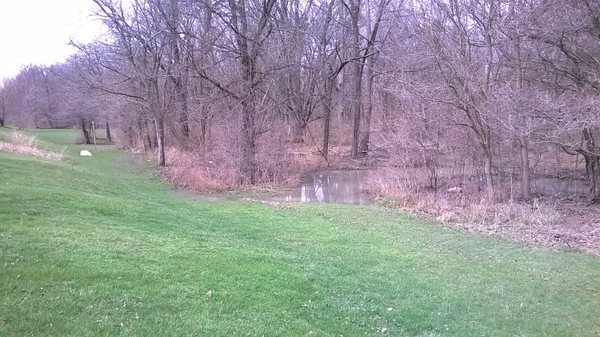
(97, 246)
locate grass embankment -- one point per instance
(98, 246)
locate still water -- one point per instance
(345, 186)
(338, 186)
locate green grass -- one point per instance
(99, 247)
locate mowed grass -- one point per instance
(100, 247)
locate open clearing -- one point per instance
(99, 246)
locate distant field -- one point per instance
(99, 246)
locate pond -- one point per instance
(336, 186)
(345, 187)
(333, 186)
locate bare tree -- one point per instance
(141, 41)
(363, 48)
(567, 36)
(460, 37)
(248, 24)
(3, 104)
(476, 88)
(370, 58)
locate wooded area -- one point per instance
(474, 94)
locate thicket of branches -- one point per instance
(472, 87)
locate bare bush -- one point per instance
(206, 172)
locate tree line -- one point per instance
(485, 84)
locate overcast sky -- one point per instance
(38, 31)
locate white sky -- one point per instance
(38, 31)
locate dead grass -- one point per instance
(25, 144)
(192, 171)
(548, 222)
(557, 224)
(217, 169)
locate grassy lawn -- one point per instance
(97, 246)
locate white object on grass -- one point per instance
(85, 153)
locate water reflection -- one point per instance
(340, 186)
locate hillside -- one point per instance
(99, 246)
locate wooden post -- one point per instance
(94, 134)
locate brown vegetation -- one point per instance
(282, 163)
(23, 144)
(557, 220)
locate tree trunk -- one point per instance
(356, 117)
(49, 113)
(248, 165)
(85, 131)
(357, 73)
(249, 50)
(365, 139)
(160, 140)
(203, 130)
(525, 174)
(298, 130)
(130, 136)
(179, 75)
(369, 60)
(108, 135)
(487, 169)
(523, 138)
(329, 83)
(1, 122)
(145, 134)
(327, 123)
(592, 165)
(50, 124)
(592, 168)
(183, 113)
(151, 135)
